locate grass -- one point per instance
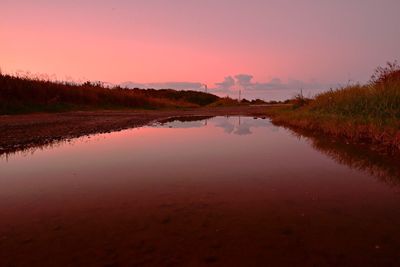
(26, 95)
(367, 113)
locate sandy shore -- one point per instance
(18, 132)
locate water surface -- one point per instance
(234, 191)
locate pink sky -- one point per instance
(204, 41)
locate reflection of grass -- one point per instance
(383, 167)
(30, 149)
(186, 118)
(363, 113)
(24, 95)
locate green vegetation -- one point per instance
(25, 95)
(361, 113)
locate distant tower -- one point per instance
(205, 87)
(240, 92)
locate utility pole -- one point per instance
(240, 92)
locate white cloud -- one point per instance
(227, 84)
(245, 82)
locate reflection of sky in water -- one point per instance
(231, 125)
(234, 174)
(242, 125)
(214, 145)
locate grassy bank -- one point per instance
(25, 95)
(367, 113)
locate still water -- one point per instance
(223, 191)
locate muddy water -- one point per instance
(197, 192)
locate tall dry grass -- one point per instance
(24, 95)
(367, 113)
(378, 101)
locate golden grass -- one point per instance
(360, 113)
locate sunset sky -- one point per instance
(257, 45)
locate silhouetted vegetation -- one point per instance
(24, 95)
(300, 100)
(257, 102)
(225, 101)
(367, 113)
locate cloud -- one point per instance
(166, 85)
(244, 80)
(227, 84)
(274, 83)
(238, 81)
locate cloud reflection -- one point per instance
(230, 125)
(241, 125)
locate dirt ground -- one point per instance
(18, 132)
